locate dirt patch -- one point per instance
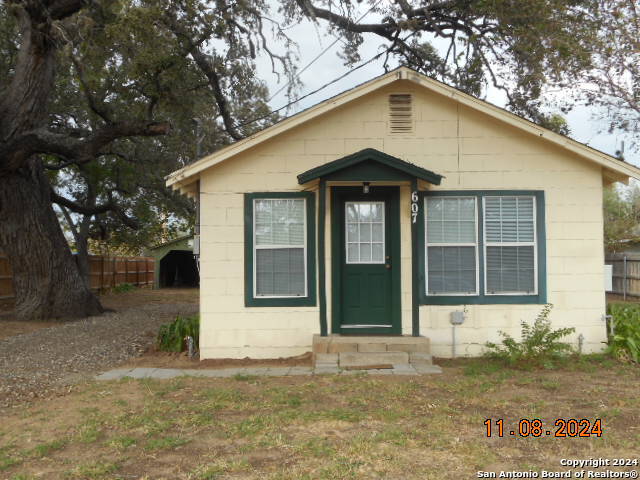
(9, 327)
(154, 358)
(148, 296)
(43, 360)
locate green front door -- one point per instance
(366, 261)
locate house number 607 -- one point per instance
(414, 207)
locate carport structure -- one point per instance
(175, 265)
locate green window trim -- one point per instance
(481, 299)
(250, 299)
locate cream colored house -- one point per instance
(381, 211)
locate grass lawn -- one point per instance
(354, 426)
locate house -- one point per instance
(175, 264)
(380, 215)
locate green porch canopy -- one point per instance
(369, 165)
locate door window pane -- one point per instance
(365, 232)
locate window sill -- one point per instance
(484, 300)
(281, 302)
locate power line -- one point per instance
(349, 72)
(321, 54)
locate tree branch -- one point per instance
(205, 63)
(73, 150)
(110, 206)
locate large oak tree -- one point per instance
(139, 70)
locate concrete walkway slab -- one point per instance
(165, 373)
(300, 371)
(168, 373)
(142, 373)
(114, 374)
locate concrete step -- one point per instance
(368, 344)
(325, 359)
(419, 358)
(365, 359)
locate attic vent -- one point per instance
(400, 113)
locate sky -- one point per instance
(585, 124)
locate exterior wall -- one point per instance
(472, 151)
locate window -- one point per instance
(280, 249)
(452, 245)
(483, 247)
(509, 225)
(279, 246)
(365, 232)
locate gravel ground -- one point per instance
(48, 362)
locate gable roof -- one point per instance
(181, 238)
(616, 170)
(365, 156)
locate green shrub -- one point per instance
(540, 345)
(124, 288)
(624, 344)
(171, 335)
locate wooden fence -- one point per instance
(626, 274)
(104, 272)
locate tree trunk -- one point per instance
(46, 279)
(82, 246)
(80, 232)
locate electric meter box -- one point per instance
(457, 317)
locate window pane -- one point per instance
(352, 212)
(377, 252)
(280, 272)
(451, 270)
(296, 234)
(468, 231)
(279, 221)
(510, 269)
(376, 212)
(365, 252)
(467, 209)
(434, 231)
(353, 253)
(364, 210)
(451, 220)
(352, 232)
(376, 232)
(509, 219)
(365, 232)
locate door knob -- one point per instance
(387, 266)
